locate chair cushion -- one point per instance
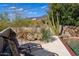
(1, 44)
(5, 32)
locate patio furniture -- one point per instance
(37, 50)
(3, 48)
(31, 46)
(43, 52)
(9, 45)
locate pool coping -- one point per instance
(69, 49)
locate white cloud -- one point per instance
(34, 12)
(31, 12)
(26, 10)
(43, 7)
(13, 7)
(20, 9)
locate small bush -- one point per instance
(46, 35)
(3, 24)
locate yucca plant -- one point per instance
(53, 23)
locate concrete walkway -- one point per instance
(57, 47)
(53, 47)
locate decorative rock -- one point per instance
(29, 33)
(70, 31)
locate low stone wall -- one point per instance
(70, 32)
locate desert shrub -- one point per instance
(20, 23)
(3, 24)
(46, 35)
(24, 23)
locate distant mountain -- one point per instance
(37, 18)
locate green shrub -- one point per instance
(69, 13)
(3, 24)
(46, 35)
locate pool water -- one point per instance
(74, 45)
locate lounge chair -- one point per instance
(9, 45)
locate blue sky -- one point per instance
(26, 9)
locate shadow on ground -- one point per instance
(37, 50)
